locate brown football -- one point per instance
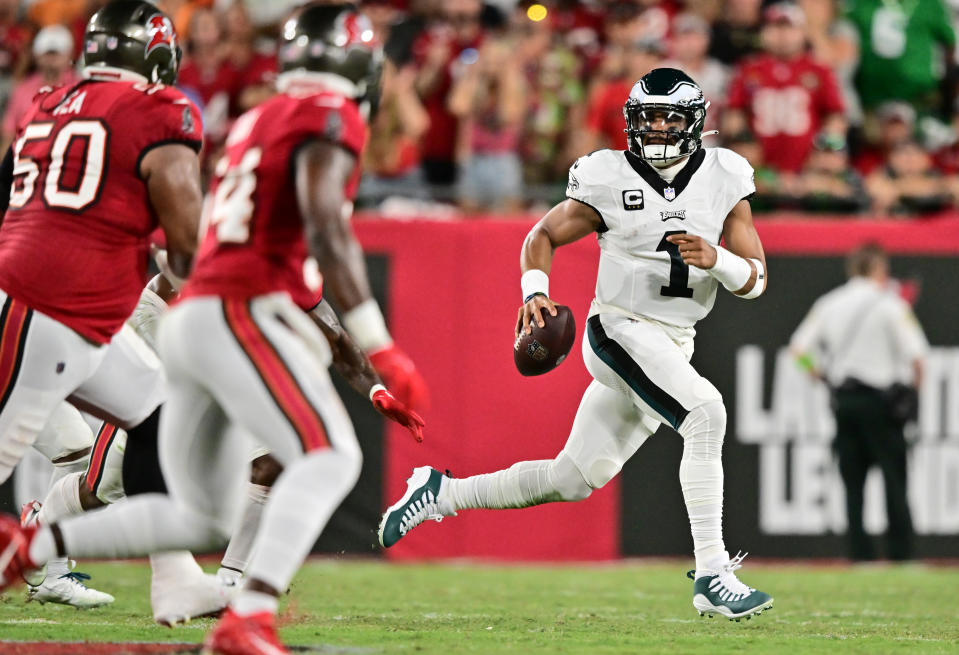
(547, 346)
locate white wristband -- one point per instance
(760, 285)
(731, 270)
(366, 325)
(534, 281)
(374, 389)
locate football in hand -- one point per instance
(547, 346)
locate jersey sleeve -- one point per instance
(738, 182)
(585, 185)
(160, 116)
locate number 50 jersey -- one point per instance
(639, 270)
(75, 239)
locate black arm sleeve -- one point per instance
(6, 179)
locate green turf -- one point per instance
(620, 608)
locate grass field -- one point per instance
(376, 607)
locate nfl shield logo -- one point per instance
(669, 193)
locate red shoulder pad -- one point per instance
(167, 115)
(335, 119)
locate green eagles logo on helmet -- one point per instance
(132, 36)
(665, 114)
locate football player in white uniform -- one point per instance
(660, 210)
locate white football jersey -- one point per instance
(639, 271)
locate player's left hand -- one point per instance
(387, 405)
(694, 250)
(400, 375)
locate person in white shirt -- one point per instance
(863, 340)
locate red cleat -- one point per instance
(254, 634)
(14, 549)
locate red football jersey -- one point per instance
(254, 242)
(75, 239)
(786, 102)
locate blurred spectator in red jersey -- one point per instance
(14, 41)
(689, 46)
(443, 53)
(53, 55)
(206, 76)
(909, 184)
(256, 71)
(894, 124)
(392, 156)
(784, 96)
(605, 125)
(736, 33)
(489, 99)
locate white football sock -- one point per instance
(252, 602)
(238, 551)
(63, 499)
(173, 565)
(133, 527)
(301, 502)
(57, 567)
(524, 484)
(701, 477)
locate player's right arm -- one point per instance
(322, 171)
(565, 223)
(172, 176)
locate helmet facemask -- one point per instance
(660, 134)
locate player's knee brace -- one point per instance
(704, 430)
(567, 480)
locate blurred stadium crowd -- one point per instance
(845, 108)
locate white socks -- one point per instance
(524, 484)
(252, 602)
(172, 567)
(133, 527)
(701, 477)
(301, 502)
(62, 500)
(238, 552)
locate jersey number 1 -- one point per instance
(678, 270)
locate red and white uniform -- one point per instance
(75, 240)
(786, 102)
(238, 344)
(74, 251)
(254, 241)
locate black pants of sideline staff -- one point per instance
(866, 436)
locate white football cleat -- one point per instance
(180, 601)
(68, 589)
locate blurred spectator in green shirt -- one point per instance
(904, 47)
